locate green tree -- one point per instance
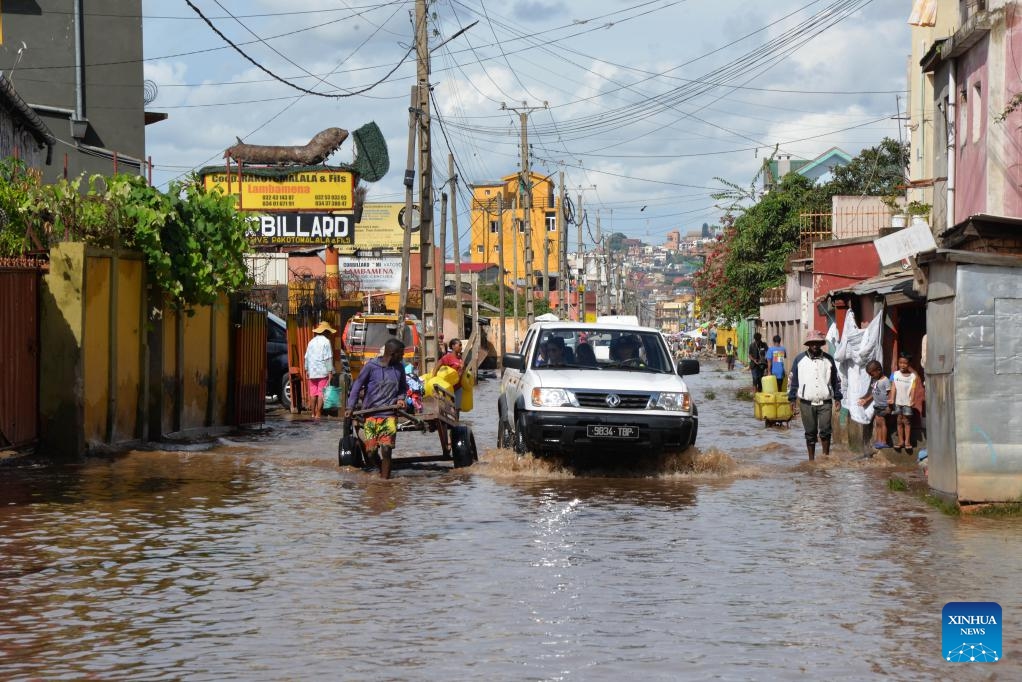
(876, 171)
(755, 249)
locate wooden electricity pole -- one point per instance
(501, 272)
(562, 253)
(406, 245)
(457, 248)
(525, 188)
(426, 252)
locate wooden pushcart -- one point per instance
(457, 443)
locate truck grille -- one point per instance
(629, 401)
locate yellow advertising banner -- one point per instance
(380, 229)
(321, 190)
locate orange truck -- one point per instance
(365, 333)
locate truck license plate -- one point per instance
(626, 432)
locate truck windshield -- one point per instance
(601, 349)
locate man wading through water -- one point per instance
(382, 380)
(815, 383)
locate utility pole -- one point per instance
(442, 248)
(514, 279)
(601, 304)
(500, 265)
(546, 263)
(406, 247)
(426, 253)
(562, 253)
(457, 249)
(581, 286)
(525, 187)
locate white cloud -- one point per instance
(594, 123)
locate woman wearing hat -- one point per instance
(319, 365)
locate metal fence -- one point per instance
(839, 224)
(19, 350)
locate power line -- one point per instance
(286, 82)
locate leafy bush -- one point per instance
(193, 241)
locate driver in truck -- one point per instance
(625, 349)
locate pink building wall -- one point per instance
(971, 138)
(1012, 86)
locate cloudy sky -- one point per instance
(648, 101)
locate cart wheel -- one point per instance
(350, 452)
(463, 447)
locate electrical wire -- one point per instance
(286, 82)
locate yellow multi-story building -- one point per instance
(488, 224)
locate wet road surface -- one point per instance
(262, 560)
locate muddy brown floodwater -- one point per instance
(260, 559)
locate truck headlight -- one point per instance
(676, 402)
(553, 397)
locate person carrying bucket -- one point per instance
(453, 359)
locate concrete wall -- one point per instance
(117, 369)
(113, 93)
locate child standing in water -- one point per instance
(879, 389)
(904, 384)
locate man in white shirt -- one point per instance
(814, 390)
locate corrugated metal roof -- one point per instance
(882, 285)
(20, 106)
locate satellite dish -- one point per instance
(416, 219)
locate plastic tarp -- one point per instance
(855, 349)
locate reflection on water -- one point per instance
(263, 560)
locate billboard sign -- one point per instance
(380, 229)
(319, 190)
(372, 274)
(302, 228)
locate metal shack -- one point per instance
(973, 364)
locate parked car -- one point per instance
(572, 400)
(278, 379)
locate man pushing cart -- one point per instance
(381, 386)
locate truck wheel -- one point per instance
(285, 392)
(519, 445)
(463, 447)
(505, 436)
(350, 452)
(695, 432)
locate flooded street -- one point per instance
(260, 559)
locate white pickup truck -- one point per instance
(558, 395)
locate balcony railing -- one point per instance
(843, 224)
(489, 205)
(773, 295)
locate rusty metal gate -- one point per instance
(19, 351)
(250, 368)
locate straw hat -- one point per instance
(815, 337)
(324, 326)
